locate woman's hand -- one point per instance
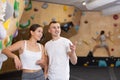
(18, 63)
(41, 63)
(46, 76)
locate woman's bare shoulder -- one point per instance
(20, 42)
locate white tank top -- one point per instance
(29, 58)
(102, 38)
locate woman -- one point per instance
(102, 38)
(31, 55)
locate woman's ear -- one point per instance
(31, 32)
(49, 30)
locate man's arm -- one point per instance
(73, 57)
(72, 54)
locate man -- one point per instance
(59, 50)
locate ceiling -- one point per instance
(107, 7)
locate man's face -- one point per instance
(55, 29)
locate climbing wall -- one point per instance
(10, 14)
(42, 13)
(91, 24)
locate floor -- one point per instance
(78, 73)
(94, 73)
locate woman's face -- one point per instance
(37, 34)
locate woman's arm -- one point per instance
(9, 52)
(46, 67)
(96, 39)
(109, 34)
(43, 62)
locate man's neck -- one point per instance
(55, 38)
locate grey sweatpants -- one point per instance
(33, 76)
